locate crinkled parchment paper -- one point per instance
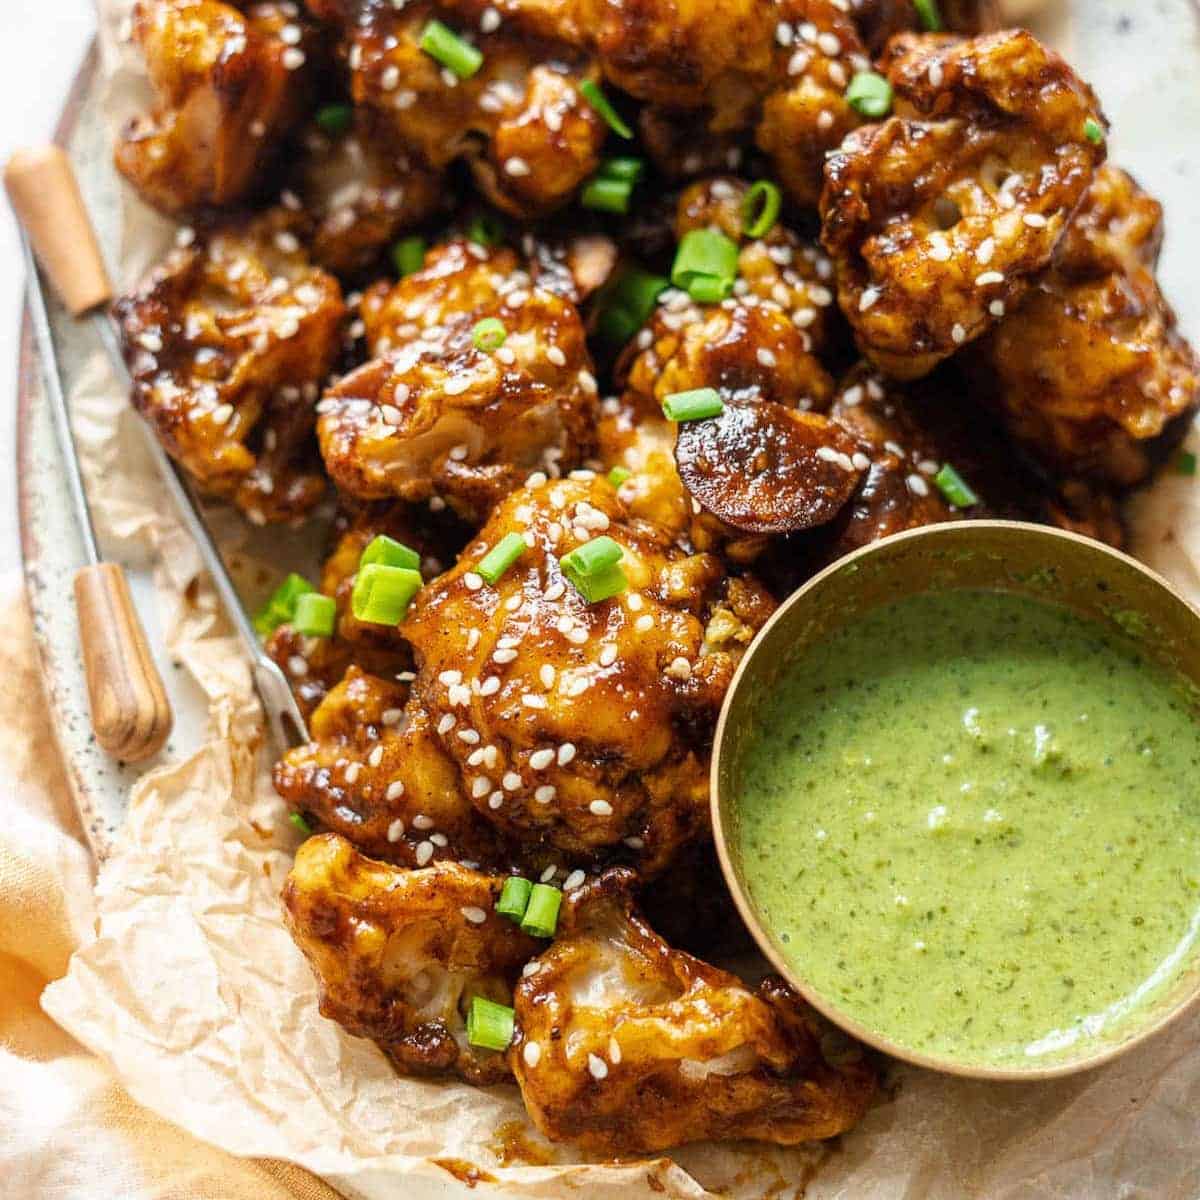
(194, 993)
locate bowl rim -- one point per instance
(947, 1065)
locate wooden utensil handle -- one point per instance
(46, 198)
(131, 716)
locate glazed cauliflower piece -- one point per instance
(581, 727)
(625, 1046)
(731, 67)
(938, 218)
(362, 195)
(1091, 373)
(399, 953)
(436, 418)
(228, 342)
(375, 772)
(519, 122)
(771, 463)
(231, 82)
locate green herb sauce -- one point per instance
(972, 822)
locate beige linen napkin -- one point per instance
(68, 1131)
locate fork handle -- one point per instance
(131, 715)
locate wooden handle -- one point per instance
(45, 196)
(131, 715)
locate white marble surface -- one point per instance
(41, 45)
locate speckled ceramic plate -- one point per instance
(1143, 58)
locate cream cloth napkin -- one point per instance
(68, 1131)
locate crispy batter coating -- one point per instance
(436, 417)
(228, 341)
(756, 349)
(229, 86)
(724, 67)
(625, 1046)
(399, 953)
(376, 773)
(362, 194)
(519, 122)
(582, 726)
(878, 20)
(1091, 373)
(938, 217)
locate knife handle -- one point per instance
(45, 196)
(131, 715)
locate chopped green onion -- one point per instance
(696, 405)
(301, 825)
(441, 42)
(408, 255)
(618, 475)
(386, 550)
(282, 604)
(514, 898)
(1093, 131)
(705, 265)
(486, 230)
(489, 334)
(594, 588)
(954, 488)
(315, 615)
(490, 1025)
(335, 119)
(595, 556)
(622, 167)
(382, 594)
(607, 195)
(600, 102)
(869, 94)
(625, 304)
(760, 209)
(931, 18)
(1185, 464)
(541, 917)
(501, 556)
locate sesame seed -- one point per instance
(597, 1067)
(996, 308)
(352, 772)
(475, 758)
(460, 695)
(917, 485)
(456, 387)
(516, 166)
(450, 677)
(473, 914)
(600, 808)
(298, 665)
(480, 786)
(390, 79)
(392, 716)
(574, 880)
(614, 1050)
(490, 686)
(985, 251)
(860, 460)
(532, 1053)
(939, 248)
(577, 635)
(530, 968)
(635, 843)
(680, 668)
(473, 582)
(470, 736)
(936, 74)
(546, 674)
(608, 656)
(556, 356)
(496, 800)
(504, 656)
(532, 701)
(566, 752)
(293, 58)
(511, 782)
(395, 830)
(545, 793)
(222, 414)
(513, 602)
(868, 299)
(549, 873)
(447, 723)
(1034, 220)
(424, 853)
(644, 623)
(539, 760)
(765, 357)
(395, 789)
(988, 278)
(959, 335)
(375, 757)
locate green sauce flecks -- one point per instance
(972, 822)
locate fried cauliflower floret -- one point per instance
(878, 20)
(625, 1046)
(362, 195)
(399, 954)
(519, 121)
(435, 416)
(938, 217)
(1091, 373)
(584, 727)
(228, 342)
(755, 349)
(729, 67)
(229, 86)
(375, 772)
